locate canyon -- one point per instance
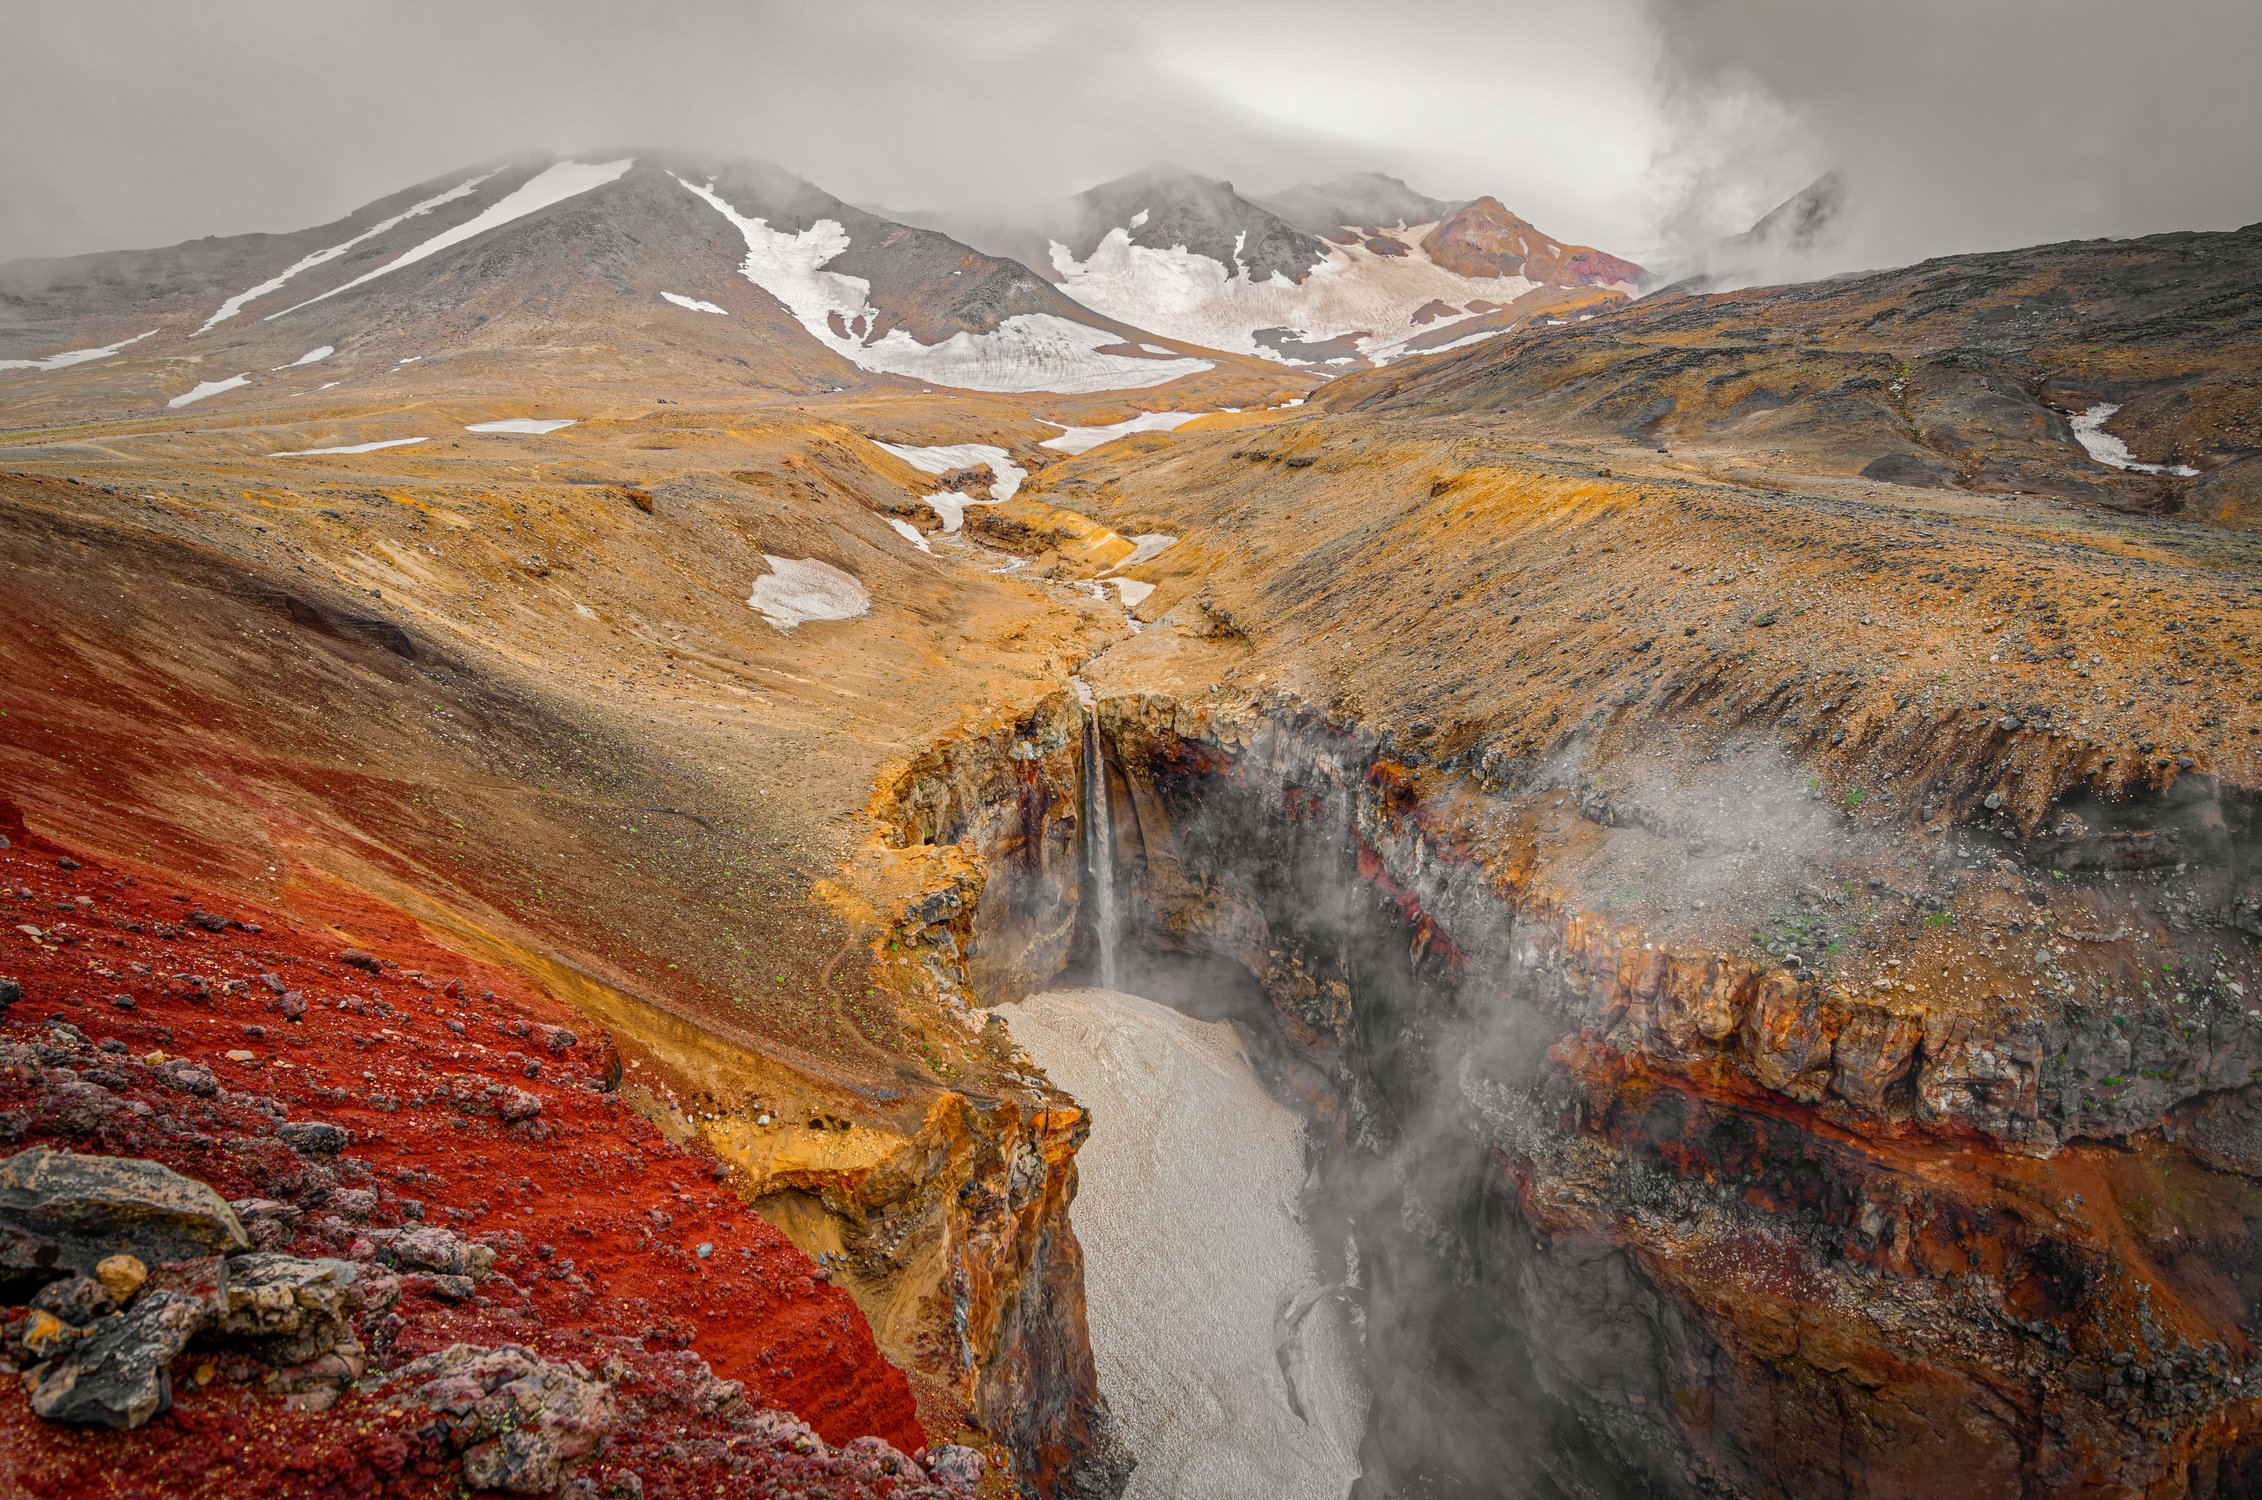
(1715, 847)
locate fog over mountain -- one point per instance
(140, 124)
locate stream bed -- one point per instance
(1208, 1324)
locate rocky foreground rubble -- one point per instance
(223, 1274)
(114, 1268)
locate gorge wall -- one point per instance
(1644, 1216)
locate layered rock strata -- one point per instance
(1656, 1207)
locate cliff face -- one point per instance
(1690, 1217)
(957, 1239)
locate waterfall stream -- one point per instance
(1099, 843)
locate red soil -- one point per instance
(596, 1217)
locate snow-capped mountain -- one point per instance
(738, 270)
(1349, 273)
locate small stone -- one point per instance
(1992, 801)
(354, 1203)
(44, 1334)
(239, 1055)
(447, 1288)
(361, 959)
(313, 1137)
(122, 1002)
(77, 1300)
(427, 1247)
(121, 1276)
(705, 1250)
(955, 1467)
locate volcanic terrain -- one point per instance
(1732, 819)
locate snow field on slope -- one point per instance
(208, 388)
(552, 185)
(1026, 352)
(911, 534)
(2105, 448)
(350, 448)
(944, 458)
(1085, 439)
(797, 590)
(236, 304)
(523, 424)
(694, 303)
(1187, 1211)
(71, 357)
(1354, 290)
(311, 356)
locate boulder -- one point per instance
(119, 1373)
(287, 1310)
(92, 1207)
(427, 1247)
(316, 1384)
(519, 1421)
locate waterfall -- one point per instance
(1099, 842)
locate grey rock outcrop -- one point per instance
(519, 1421)
(89, 1207)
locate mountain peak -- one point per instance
(1356, 200)
(1485, 238)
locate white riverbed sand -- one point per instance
(1186, 1213)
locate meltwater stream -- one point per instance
(1229, 1368)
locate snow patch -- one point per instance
(946, 457)
(1139, 219)
(235, 304)
(911, 534)
(209, 388)
(797, 590)
(349, 448)
(2105, 448)
(1460, 343)
(553, 184)
(1026, 352)
(1085, 439)
(311, 356)
(1131, 591)
(523, 424)
(695, 304)
(71, 357)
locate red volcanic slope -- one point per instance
(595, 1215)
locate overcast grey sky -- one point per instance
(1633, 124)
